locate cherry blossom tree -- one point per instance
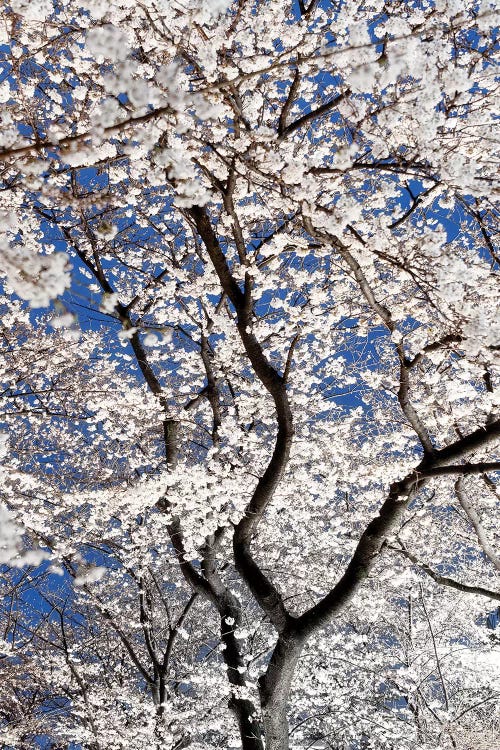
(250, 374)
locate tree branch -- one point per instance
(262, 588)
(444, 580)
(321, 110)
(434, 646)
(477, 468)
(375, 534)
(289, 100)
(385, 316)
(475, 520)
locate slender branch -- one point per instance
(172, 636)
(475, 520)
(445, 580)
(416, 201)
(476, 705)
(385, 316)
(289, 100)
(212, 390)
(239, 239)
(407, 406)
(170, 426)
(79, 680)
(289, 358)
(146, 625)
(174, 630)
(130, 649)
(487, 239)
(323, 109)
(449, 338)
(434, 645)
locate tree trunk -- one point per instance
(275, 689)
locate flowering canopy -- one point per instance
(250, 374)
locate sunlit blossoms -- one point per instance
(249, 430)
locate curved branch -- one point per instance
(444, 580)
(262, 588)
(375, 534)
(385, 316)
